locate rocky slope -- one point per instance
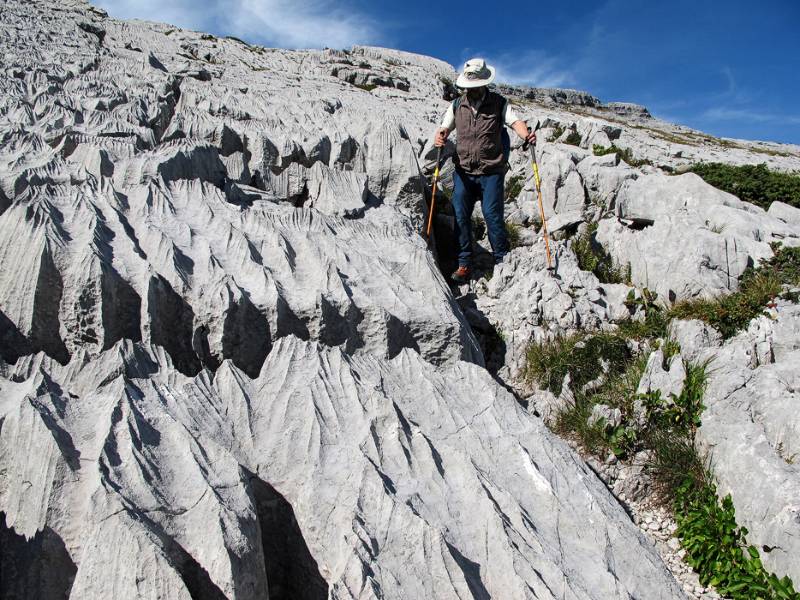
(231, 368)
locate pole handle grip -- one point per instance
(526, 144)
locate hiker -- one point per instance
(480, 159)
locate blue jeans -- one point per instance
(466, 191)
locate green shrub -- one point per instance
(233, 38)
(717, 549)
(752, 183)
(514, 186)
(573, 139)
(513, 232)
(625, 155)
(592, 257)
(558, 131)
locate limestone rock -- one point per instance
(667, 381)
(683, 238)
(605, 416)
(788, 214)
(529, 303)
(751, 430)
(697, 340)
(324, 471)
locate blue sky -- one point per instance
(730, 68)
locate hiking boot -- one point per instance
(461, 275)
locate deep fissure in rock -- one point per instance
(292, 572)
(37, 568)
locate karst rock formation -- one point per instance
(231, 365)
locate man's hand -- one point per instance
(441, 137)
(521, 127)
(531, 139)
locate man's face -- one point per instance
(476, 93)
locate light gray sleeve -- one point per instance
(449, 121)
(509, 115)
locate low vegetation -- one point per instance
(752, 183)
(716, 546)
(514, 186)
(624, 154)
(757, 287)
(605, 369)
(573, 139)
(558, 131)
(233, 38)
(592, 257)
(513, 231)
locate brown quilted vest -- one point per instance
(479, 148)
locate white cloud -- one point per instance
(533, 68)
(283, 23)
(722, 113)
(181, 13)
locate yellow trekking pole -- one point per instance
(433, 193)
(539, 194)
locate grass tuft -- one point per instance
(757, 287)
(514, 234)
(592, 257)
(624, 154)
(514, 186)
(584, 357)
(573, 139)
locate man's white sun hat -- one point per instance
(476, 74)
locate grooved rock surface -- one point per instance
(751, 428)
(202, 214)
(360, 477)
(229, 364)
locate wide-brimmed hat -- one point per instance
(476, 74)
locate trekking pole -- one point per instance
(433, 193)
(538, 183)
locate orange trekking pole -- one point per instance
(433, 193)
(539, 194)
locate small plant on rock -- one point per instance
(514, 186)
(624, 154)
(513, 232)
(592, 257)
(558, 131)
(757, 287)
(573, 139)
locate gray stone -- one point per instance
(668, 382)
(786, 213)
(751, 428)
(605, 416)
(697, 339)
(153, 467)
